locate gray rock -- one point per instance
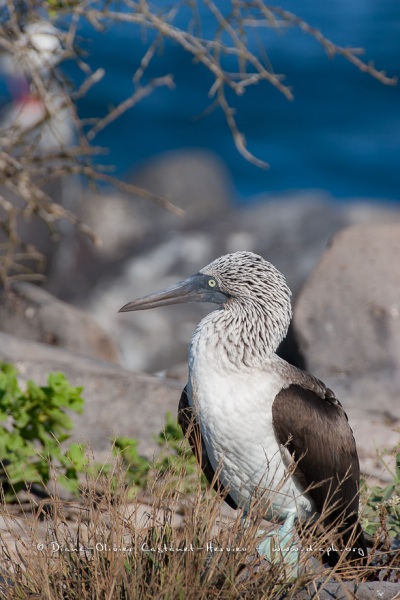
(196, 181)
(50, 248)
(376, 435)
(117, 402)
(369, 590)
(31, 313)
(347, 323)
(347, 317)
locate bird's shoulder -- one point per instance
(302, 382)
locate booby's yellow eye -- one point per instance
(212, 282)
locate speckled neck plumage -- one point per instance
(247, 330)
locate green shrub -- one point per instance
(381, 514)
(33, 423)
(175, 459)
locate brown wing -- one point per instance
(191, 430)
(317, 433)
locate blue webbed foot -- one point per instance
(279, 547)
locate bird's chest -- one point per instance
(234, 409)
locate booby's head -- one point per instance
(248, 277)
(243, 283)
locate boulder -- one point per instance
(31, 313)
(343, 590)
(196, 181)
(117, 402)
(347, 317)
(347, 324)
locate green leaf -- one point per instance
(76, 453)
(21, 473)
(15, 442)
(36, 393)
(70, 484)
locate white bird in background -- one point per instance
(40, 121)
(38, 49)
(255, 414)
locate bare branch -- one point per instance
(138, 95)
(331, 48)
(238, 137)
(88, 83)
(29, 161)
(138, 191)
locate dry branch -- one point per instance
(27, 165)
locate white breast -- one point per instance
(234, 407)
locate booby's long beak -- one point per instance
(193, 289)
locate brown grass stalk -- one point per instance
(106, 545)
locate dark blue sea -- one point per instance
(341, 133)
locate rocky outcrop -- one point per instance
(347, 324)
(195, 180)
(31, 313)
(347, 316)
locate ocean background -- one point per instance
(341, 133)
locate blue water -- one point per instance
(341, 133)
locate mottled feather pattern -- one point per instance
(257, 315)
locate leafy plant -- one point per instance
(175, 457)
(33, 423)
(381, 515)
(175, 451)
(137, 466)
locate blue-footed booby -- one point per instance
(255, 414)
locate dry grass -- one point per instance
(105, 545)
